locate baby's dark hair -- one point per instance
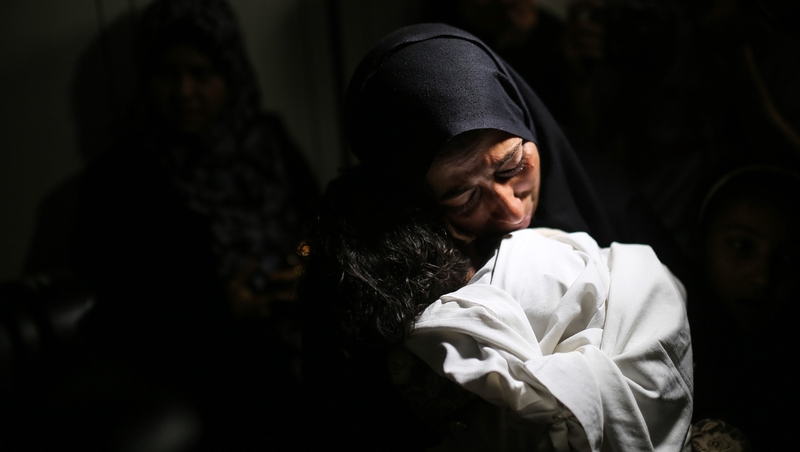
(378, 255)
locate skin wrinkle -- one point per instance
(495, 204)
(476, 171)
(468, 160)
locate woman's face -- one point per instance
(188, 91)
(491, 189)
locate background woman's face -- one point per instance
(490, 189)
(749, 255)
(188, 92)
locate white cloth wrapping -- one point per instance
(594, 343)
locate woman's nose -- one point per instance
(508, 208)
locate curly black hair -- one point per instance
(378, 255)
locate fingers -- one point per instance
(285, 275)
(285, 296)
(246, 274)
(281, 288)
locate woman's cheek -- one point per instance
(531, 176)
(526, 180)
(466, 224)
(527, 185)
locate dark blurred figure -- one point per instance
(683, 90)
(187, 231)
(752, 78)
(743, 320)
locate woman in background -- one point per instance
(742, 320)
(188, 227)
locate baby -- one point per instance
(379, 258)
(591, 343)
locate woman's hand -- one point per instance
(245, 302)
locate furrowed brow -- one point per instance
(511, 153)
(458, 191)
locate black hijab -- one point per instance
(424, 84)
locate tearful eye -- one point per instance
(466, 206)
(511, 172)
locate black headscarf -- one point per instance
(424, 84)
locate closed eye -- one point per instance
(465, 207)
(511, 172)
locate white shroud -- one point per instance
(594, 343)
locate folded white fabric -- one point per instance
(594, 343)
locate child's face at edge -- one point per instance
(748, 260)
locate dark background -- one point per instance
(65, 78)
